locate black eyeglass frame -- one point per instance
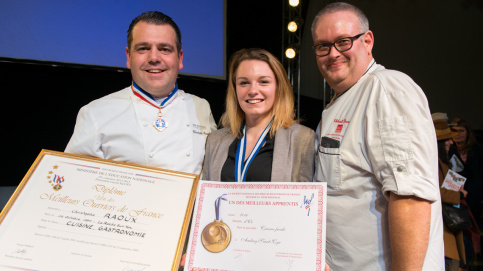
(333, 44)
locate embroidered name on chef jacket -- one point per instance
(337, 129)
(200, 129)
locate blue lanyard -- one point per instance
(217, 206)
(241, 167)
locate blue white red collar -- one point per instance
(145, 96)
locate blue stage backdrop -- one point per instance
(93, 32)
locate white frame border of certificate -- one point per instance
(8, 210)
(230, 229)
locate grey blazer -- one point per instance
(293, 154)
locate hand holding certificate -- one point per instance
(79, 213)
(258, 226)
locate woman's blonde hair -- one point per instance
(283, 105)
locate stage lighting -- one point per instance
(292, 26)
(290, 53)
(293, 3)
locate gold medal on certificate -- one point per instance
(216, 236)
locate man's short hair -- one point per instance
(342, 6)
(154, 17)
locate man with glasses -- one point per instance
(376, 150)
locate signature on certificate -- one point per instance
(307, 203)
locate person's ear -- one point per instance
(368, 41)
(128, 59)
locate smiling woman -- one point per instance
(260, 140)
(255, 90)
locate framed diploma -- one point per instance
(258, 226)
(74, 212)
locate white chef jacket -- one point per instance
(119, 127)
(380, 139)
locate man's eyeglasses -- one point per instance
(341, 45)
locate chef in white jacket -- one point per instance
(376, 151)
(151, 122)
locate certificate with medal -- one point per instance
(258, 226)
(79, 213)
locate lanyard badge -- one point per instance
(159, 123)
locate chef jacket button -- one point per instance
(187, 124)
(188, 154)
(400, 168)
(151, 155)
(145, 125)
(182, 97)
